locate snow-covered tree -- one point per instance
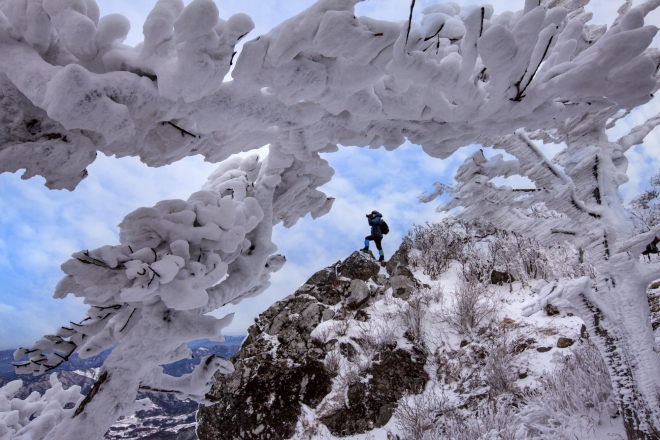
(578, 189)
(70, 88)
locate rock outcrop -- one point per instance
(284, 364)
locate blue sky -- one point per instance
(40, 229)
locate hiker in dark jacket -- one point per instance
(652, 248)
(375, 220)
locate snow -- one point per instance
(321, 78)
(512, 299)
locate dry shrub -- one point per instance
(416, 414)
(333, 361)
(498, 372)
(572, 399)
(496, 420)
(341, 326)
(412, 315)
(472, 306)
(437, 244)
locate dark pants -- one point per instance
(376, 239)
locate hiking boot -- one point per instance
(381, 258)
(365, 250)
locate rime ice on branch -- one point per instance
(69, 88)
(575, 198)
(177, 262)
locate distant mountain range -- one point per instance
(75, 363)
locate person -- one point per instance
(375, 219)
(652, 248)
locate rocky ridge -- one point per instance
(289, 363)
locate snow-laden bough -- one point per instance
(70, 88)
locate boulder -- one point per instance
(399, 264)
(397, 373)
(551, 310)
(358, 294)
(402, 287)
(564, 342)
(500, 278)
(360, 266)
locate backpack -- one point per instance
(384, 229)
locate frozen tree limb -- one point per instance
(69, 88)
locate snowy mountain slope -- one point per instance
(397, 354)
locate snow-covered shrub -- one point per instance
(333, 361)
(416, 414)
(341, 326)
(576, 397)
(645, 208)
(375, 335)
(473, 305)
(435, 245)
(499, 374)
(563, 260)
(412, 315)
(494, 420)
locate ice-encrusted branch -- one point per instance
(176, 262)
(33, 417)
(321, 77)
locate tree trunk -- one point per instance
(617, 317)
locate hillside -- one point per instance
(443, 343)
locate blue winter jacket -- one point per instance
(375, 222)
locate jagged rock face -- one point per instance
(281, 367)
(372, 404)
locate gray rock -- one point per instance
(564, 342)
(358, 294)
(328, 314)
(359, 265)
(372, 404)
(500, 278)
(398, 265)
(402, 287)
(551, 310)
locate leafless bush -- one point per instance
(563, 260)
(386, 333)
(493, 420)
(476, 264)
(473, 306)
(333, 361)
(340, 327)
(351, 374)
(498, 371)
(412, 315)
(416, 415)
(323, 333)
(437, 244)
(573, 399)
(373, 337)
